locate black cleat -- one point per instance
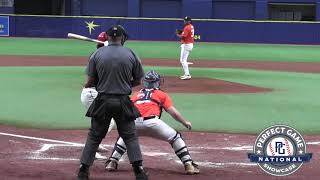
(141, 173)
(83, 173)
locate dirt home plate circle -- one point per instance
(280, 150)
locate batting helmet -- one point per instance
(102, 37)
(151, 80)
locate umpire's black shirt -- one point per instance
(116, 68)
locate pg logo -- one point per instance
(280, 150)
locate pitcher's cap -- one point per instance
(187, 18)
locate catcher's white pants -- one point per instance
(154, 128)
(157, 129)
(87, 97)
(184, 54)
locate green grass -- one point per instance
(171, 50)
(48, 97)
(292, 102)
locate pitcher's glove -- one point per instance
(179, 31)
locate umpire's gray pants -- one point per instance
(99, 129)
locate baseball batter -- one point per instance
(89, 94)
(150, 101)
(187, 40)
(104, 38)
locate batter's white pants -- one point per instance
(87, 97)
(184, 54)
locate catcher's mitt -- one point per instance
(179, 31)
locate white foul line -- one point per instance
(313, 143)
(235, 148)
(48, 146)
(221, 165)
(41, 139)
(51, 158)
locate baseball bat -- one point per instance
(84, 38)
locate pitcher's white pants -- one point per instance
(184, 54)
(87, 97)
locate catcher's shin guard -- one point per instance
(180, 148)
(118, 150)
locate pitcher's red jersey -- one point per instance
(187, 34)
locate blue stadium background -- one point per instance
(228, 30)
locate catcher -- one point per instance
(150, 101)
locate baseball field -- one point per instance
(236, 91)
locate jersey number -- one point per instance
(146, 95)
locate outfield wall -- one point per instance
(215, 9)
(209, 9)
(163, 29)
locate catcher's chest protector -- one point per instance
(147, 93)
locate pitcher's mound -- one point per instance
(206, 85)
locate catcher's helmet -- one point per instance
(151, 80)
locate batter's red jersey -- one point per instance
(187, 34)
(151, 108)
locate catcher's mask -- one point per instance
(152, 80)
(116, 31)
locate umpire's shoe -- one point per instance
(83, 173)
(141, 173)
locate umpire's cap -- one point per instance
(187, 18)
(116, 31)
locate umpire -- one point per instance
(113, 70)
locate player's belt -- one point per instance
(149, 117)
